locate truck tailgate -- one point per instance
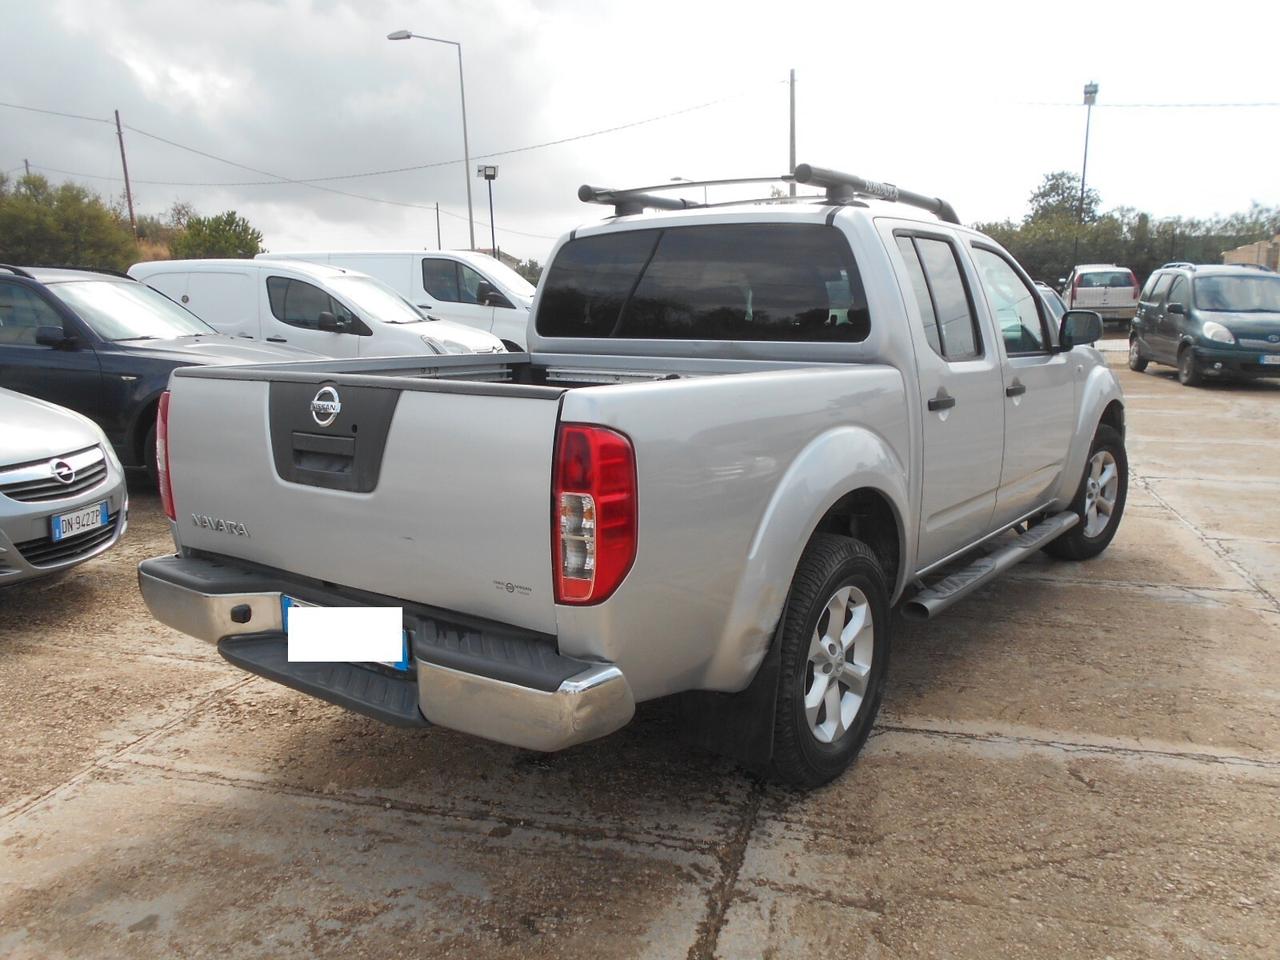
(437, 494)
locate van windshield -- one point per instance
(376, 301)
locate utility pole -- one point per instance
(27, 164)
(128, 190)
(439, 245)
(792, 171)
(1090, 98)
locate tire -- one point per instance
(1137, 362)
(1086, 539)
(1189, 374)
(149, 456)
(811, 747)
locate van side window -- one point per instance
(300, 304)
(1179, 292)
(469, 284)
(1015, 305)
(440, 279)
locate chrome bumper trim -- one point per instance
(586, 706)
(207, 616)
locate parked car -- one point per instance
(62, 491)
(104, 345)
(1108, 290)
(1209, 321)
(741, 436)
(1053, 299)
(327, 310)
(458, 285)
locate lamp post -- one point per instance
(1090, 98)
(466, 150)
(490, 173)
(687, 180)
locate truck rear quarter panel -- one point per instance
(733, 474)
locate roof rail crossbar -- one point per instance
(16, 271)
(844, 186)
(628, 202)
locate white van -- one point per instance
(328, 310)
(458, 285)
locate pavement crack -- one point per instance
(731, 856)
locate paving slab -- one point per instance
(943, 848)
(1223, 509)
(135, 864)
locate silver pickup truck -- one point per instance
(743, 437)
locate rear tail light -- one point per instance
(593, 512)
(162, 457)
(1136, 288)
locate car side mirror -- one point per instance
(485, 293)
(329, 323)
(1079, 326)
(1178, 309)
(52, 336)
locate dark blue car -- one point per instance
(104, 345)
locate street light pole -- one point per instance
(490, 173)
(1090, 98)
(462, 92)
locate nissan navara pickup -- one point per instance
(743, 439)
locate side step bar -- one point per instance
(932, 600)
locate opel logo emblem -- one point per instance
(62, 471)
(326, 406)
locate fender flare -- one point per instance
(833, 465)
(1099, 390)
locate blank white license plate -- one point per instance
(345, 634)
(65, 525)
(1270, 359)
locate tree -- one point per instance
(531, 270)
(222, 235)
(67, 225)
(1058, 196)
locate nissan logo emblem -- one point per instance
(326, 406)
(62, 471)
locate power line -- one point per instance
(54, 113)
(1154, 106)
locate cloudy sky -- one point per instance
(971, 101)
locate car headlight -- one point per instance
(441, 345)
(1213, 330)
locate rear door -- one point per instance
(1039, 387)
(1150, 314)
(1171, 325)
(428, 491)
(961, 394)
(451, 293)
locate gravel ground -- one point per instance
(1080, 761)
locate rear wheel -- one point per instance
(1189, 374)
(835, 650)
(1099, 502)
(1137, 362)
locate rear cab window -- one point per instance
(738, 282)
(942, 296)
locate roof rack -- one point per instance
(16, 271)
(1252, 266)
(839, 187)
(1178, 263)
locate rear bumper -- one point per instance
(489, 680)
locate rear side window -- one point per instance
(754, 282)
(950, 299)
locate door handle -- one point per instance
(276, 340)
(1015, 390)
(942, 402)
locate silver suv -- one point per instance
(62, 492)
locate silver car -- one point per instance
(62, 492)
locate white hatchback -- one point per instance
(1110, 291)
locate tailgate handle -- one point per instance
(323, 454)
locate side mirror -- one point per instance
(485, 293)
(1178, 309)
(329, 323)
(52, 336)
(1079, 326)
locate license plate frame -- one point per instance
(401, 666)
(93, 517)
(1270, 360)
